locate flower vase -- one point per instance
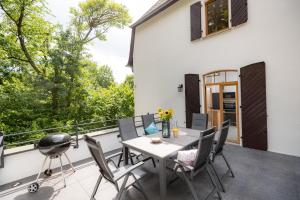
(166, 130)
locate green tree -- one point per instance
(104, 76)
(26, 38)
(46, 75)
(130, 81)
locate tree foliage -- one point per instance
(46, 75)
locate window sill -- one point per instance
(217, 33)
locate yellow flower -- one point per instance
(171, 111)
(159, 110)
(160, 114)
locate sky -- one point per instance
(115, 50)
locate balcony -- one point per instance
(258, 175)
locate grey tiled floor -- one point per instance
(259, 176)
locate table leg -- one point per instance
(162, 179)
(125, 152)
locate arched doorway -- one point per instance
(221, 98)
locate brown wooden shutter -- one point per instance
(196, 30)
(239, 12)
(192, 97)
(254, 106)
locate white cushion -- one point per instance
(187, 156)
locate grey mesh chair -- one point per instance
(202, 163)
(127, 132)
(218, 151)
(147, 120)
(226, 123)
(199, 121)
(128, 176)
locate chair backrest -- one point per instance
(226, 123)
(204, 148)
(98, 155)
(147, 120)
(222, 139)
(199, 121)
(127, 128)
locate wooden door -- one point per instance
(254, 107)
(192, 97)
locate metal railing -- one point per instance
(1, 150)
(32, 137)
(7, 140)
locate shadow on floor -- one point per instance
(44, 193)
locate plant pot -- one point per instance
(166, 130)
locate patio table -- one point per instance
(162, 151)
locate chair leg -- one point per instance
(219, 179)
(119, 195)
(131, 159)
(189, 183)
(120, 160)
(215, 188)
(96, 187)
(141, 189)
(228, 165)
(153, 161)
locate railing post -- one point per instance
(76, 135)
(1, 149)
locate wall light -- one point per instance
(180, 87)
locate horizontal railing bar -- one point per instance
(71, 127)
(67, 126)
(18, 143)
(27, 132)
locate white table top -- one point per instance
(165, 149)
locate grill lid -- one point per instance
(52, 140)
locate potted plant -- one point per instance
(165, 116)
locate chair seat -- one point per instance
(138, 173)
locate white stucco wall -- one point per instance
(164, 53)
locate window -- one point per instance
(216, 16)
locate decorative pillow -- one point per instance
(188, 156)
(151, 129)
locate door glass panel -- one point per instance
(213, 105)
(230, 111)
(231, 76)
(219, 77)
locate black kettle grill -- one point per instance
(53, 146)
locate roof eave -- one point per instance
(158, 10)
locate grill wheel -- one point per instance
(33, 187)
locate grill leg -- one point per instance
(71, 165)
(49, 167)
(62, 172)
(38, 176)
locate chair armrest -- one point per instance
(113, 155)
(183, 164)
(119, 175)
